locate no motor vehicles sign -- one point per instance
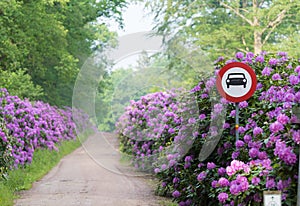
(236, 82)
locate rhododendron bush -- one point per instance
(238, 171)
(26, 126)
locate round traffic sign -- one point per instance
(236, 82)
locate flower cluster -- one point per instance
(237, 172)
(150, 125)
(145, 124)
(26, 126)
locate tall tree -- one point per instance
(223, 27)
(52, 38)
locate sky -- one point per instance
(136, 19)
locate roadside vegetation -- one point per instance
(23, 178)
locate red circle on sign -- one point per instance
(225, 69)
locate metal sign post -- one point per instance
(237, 121)
(298, 187)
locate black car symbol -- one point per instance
(236, 79)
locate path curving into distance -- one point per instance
(79, 180)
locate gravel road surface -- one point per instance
(92, 176)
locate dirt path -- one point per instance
(91, 176)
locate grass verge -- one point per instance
(22, 178)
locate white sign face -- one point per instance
(272, 199)
(236, 82)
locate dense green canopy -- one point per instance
(223, 27)
(50, 40)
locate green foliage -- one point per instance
(84, 21)
(19, 84)
(118, 87)
(110, 100)
(222, 28)
(52, 39)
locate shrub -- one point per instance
(237, 172)
(20, 84)
(26, 126)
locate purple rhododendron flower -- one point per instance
(221, 171)
(255, 180)
(296, 136)
(276, 77)
(239, 144)
(273, 61)
(262, 155)
(211, 165)
(259, 86)
(241, 184)
(214, 183)
(230, 61)
(222, 197)
(266, 71)
(243, 104)
(283, 54)
(253, 152)
(297, 97)
(287, 105)
(202, 116)
(188, 159)
(285, 153)
(247, 138)
(239, 55)
(218, 108)
(232, 113)
(192, 120)
(201, 176)
(227, 145)
(270, 183)
(234, 189)
(297, 69)
(226, 125)
(243, 181)
(203, 96)
(219, 59)
(235, 166)
(294, 79)
(289, 97)
(250, 55)
(257, 131)
(276, 127)
(156, 170)
(260, 59)
(242, 130)
(223, 182)
(176, 194)
(257, 197)
(210, 83)
(171, 130)
(283, 119)
(175, 180)
(235, 154)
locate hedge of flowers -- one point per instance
(237, 172)
(26, 126)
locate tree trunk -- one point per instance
(257, 34)
(257, 42)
